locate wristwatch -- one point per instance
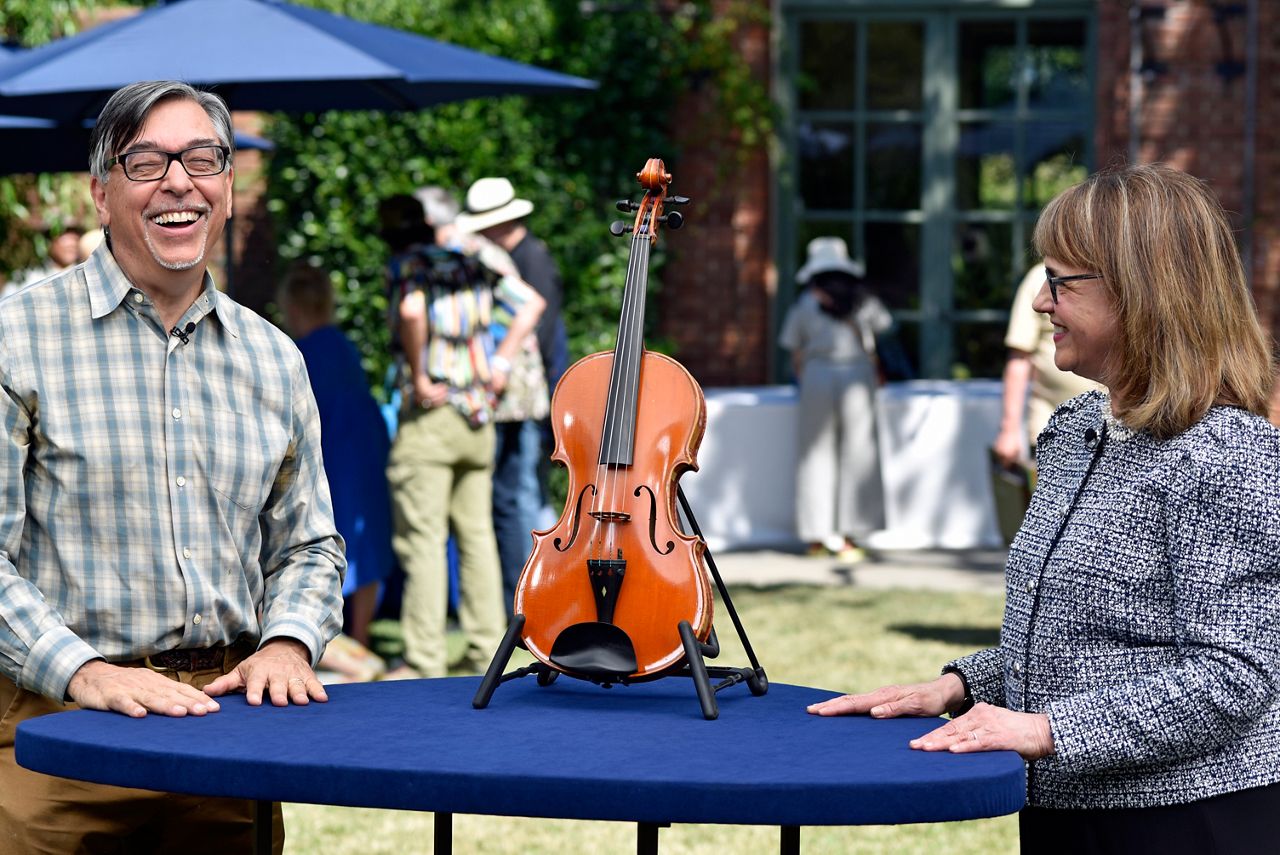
(966, 703)
(500, 363)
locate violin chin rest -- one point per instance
(595, 650)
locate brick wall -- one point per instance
(1193, 116)
(718, 287)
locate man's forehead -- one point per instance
(177, 121)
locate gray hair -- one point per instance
(126, 112)
(439, 206)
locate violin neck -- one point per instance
(617, 447)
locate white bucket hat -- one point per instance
(827, 254)
(491, 201)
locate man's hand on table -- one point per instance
(99, 685)
(281, 668)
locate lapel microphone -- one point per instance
(183, 334)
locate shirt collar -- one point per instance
(109, 286)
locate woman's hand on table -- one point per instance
(914, 699)
(983, 728)
(991, 728)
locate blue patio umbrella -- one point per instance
(261, 55)
(29, 144)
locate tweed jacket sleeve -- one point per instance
(1143, 599)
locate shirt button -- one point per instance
(186, 553)
(182, 482)
(177, 413)
(1031, 586)
(1017, 666)
(137, 297)
(196, 620)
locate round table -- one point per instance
(572, 750)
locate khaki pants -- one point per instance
(44, 814)
(441, 476)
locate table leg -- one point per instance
(647, 838)
(443, 833)
(790, 843)
(262, 828)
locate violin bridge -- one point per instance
(611, 516)
(606, 580)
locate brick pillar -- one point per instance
(718, 288)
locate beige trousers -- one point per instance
(47, 815)
(441, 476)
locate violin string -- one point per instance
(623, 400)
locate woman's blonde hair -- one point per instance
(1188, 333)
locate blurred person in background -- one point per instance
(442, 305)
(354, 441)
(831, 333)
(63, 251)
(523, 404)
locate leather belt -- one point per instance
(196, 659)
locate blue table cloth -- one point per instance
(571, 750)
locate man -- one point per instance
(524, 444)
(1030, 367)
(441, 467)
(64, 251)
(166, 534)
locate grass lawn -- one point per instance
(837, 638)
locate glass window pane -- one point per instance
(1056, 67)
(1056, 151)
(982, 264)
(979, 350)
(828, 68)
(985, 166)
(894, 166)
(893, 263)
(895, 66)
(988, 65)
(826, 165)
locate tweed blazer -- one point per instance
(1143, 610)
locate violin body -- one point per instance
(628, 511)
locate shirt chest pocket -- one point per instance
(242, 454)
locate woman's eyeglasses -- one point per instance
(1055, 281)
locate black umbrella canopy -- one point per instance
(261, 55)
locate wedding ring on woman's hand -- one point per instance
(297, 680)
(973, 734)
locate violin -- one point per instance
(605, 589)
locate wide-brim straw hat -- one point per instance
(827, 254)
(490, 202)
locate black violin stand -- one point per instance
(607, 663)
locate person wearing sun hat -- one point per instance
(494, 211)
(831, 331)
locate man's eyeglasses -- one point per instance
(200, 161)
(1055, 281)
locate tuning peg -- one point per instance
(674, 219)
(619, 228)
(677, 200)
(626, 206)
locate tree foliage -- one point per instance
(35, 207)
(573, 155)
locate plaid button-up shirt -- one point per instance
(155, 493)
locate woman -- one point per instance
(1138, 670)
(831, 332)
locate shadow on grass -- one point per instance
(972, 636)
